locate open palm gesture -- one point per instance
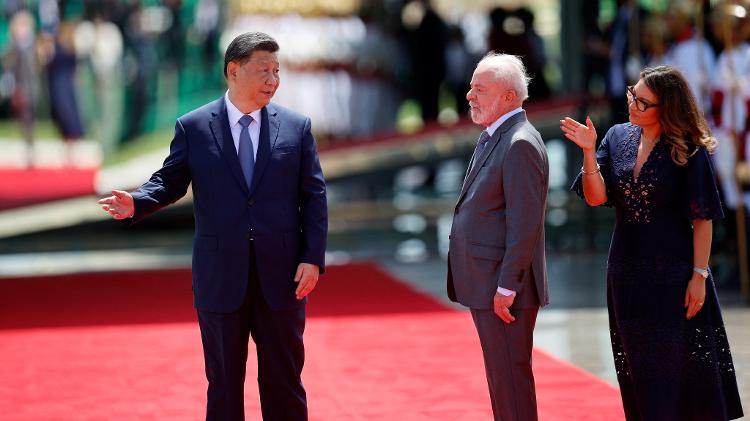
(582, 135)
(120, 205)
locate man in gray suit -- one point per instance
(496, 263)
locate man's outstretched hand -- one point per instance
(120, 205)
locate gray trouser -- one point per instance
(507, 360)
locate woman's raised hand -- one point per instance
(583, 135)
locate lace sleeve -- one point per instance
(701, 197)
(603, 158)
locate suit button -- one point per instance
(251, 202)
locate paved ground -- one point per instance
(50, 153)
(574, 327)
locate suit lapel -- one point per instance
(487, 151)
(269, 132)
(223, 135)
(480, 160)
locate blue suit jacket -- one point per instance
(284, 212)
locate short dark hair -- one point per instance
(243, 46)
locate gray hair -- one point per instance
(510, 71)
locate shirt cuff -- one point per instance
(506, 292)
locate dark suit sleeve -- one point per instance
(313, 206)
(169, 183)
(525, 186)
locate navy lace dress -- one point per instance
(669, 368)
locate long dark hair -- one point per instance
(682, 123)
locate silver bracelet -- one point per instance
(584, 172)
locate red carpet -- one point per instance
(21, 187)
(125, 346)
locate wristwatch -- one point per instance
(701, 271)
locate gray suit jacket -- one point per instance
(497, 237)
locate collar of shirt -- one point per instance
(503, 118)
(234, 115)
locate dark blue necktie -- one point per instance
(479, 148)
(245, 152)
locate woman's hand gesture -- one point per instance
(583, 136)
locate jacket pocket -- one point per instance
(484, 251)
(284, 149)
(490, 168)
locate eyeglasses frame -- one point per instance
(638, 100)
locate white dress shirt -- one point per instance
(491, 130)
(502, 119)
(234, 116)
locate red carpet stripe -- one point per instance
(23, 187)
(125, 346)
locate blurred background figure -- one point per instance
(206, 30)
(61, 73)
(49, 16)
(624, 56)
(376, 61)
(459, 65)
(513, 32)
(652, 37)
(729, 87)
(99, 45)
(21, 76)
(426, 38)
(595, 53)
(174, 35)
(143, 26)
(536, 58)
(689, 51)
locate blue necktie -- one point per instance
(246, 156)
(481, 142)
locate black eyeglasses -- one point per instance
(640, 103)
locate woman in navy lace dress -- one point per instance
(668, 339)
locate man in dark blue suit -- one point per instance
(259, 201)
